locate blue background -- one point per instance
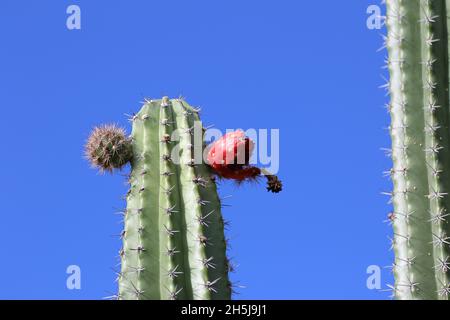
(309, 68)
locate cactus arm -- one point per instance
(407, 139)
(173, 241)
(418, 65)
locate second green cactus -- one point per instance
(418, 62)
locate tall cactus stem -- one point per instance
(173, 240)
(419, 82)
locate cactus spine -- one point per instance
(173, 241)
(417, 44)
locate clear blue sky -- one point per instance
(308, 68)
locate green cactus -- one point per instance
(173, 241)
(417, 44)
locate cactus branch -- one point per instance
(418, 65)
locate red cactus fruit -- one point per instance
(229, 158)
(231, 152)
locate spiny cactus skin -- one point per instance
(173, 242)
(417, 43)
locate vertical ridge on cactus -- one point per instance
(417, 44)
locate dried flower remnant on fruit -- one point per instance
(274, 184)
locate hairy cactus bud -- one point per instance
(108, 148)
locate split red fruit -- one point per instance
(229, 158)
